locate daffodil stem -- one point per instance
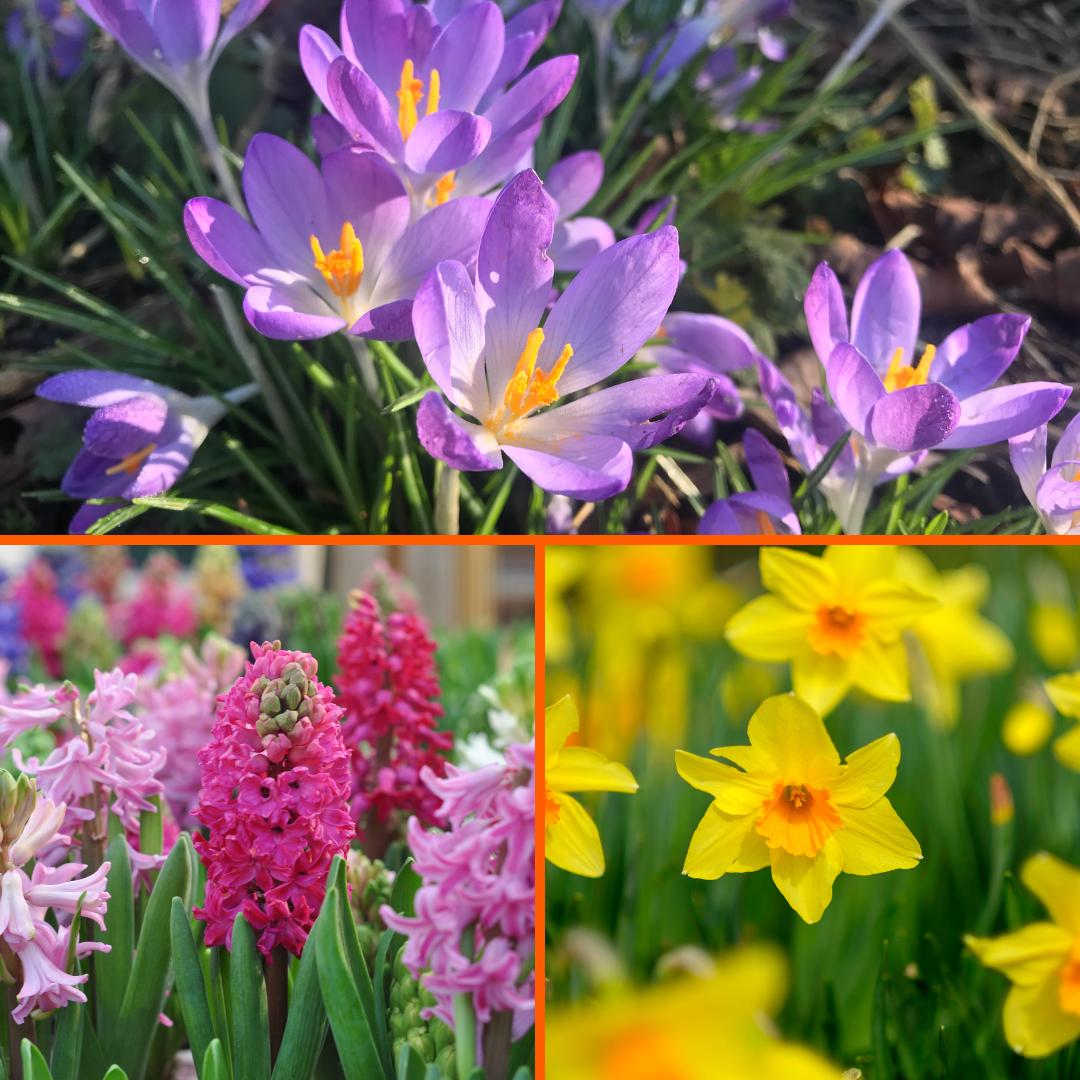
(447, 501)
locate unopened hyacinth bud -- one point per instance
(370, 886)
(9, 789)
(431, 1038)
(274, 797)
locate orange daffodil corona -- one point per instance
(838, 619)
(1042, 1011)
(787, 802)
(571, 840)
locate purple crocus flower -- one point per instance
(484, 348)
(430, 98)
(896, 407)
(571, 183)
(329, 250)
(1054, 491)
(140, 439)
(765, 512)
(65, 33)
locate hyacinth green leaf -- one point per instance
(190, 985)
(251, 1025)
(214, 1066)
(410, 1065)
(384, 964)
(432, 1073)
(219, 960)
(67, 1040)
(92, 1062)
(34, 1066)
(305, 1030)
(151, 830)
(523, 1073)
(112, 969)
(115, 1073)
(144, 1000)
(360, 1059)
(406, 885)
(476, 1073)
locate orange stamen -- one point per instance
(1069, 984)
(132, 462)
(443, 187)
(344, 267)
(798, 818)
(530, 388)
(837, 630)
(764, 524)
(551, 808)
(898, 376)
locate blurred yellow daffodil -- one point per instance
(1042, 1011)
(957, 643)
(688, 1028)
(1064, 692)
(791, 805)
(838, 619)
(571, 840)
(1027, 728)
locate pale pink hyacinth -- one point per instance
(479, 874)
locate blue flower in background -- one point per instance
(65, 32)
(267, 566)
(12, 645)
(69, 565)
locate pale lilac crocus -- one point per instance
(484, 348)
(430, 98)
(896, 406)
(178, 42)
(140, 440)
(571, 183)
(332, 249)
(764, 512)
(1053, 491)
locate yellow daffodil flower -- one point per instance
(1055, 634)
(791, 805)
(1042, 1011)
(571, 840)
(1027, 728)
(687, 1028)
(957, 643)
(838, 619)
(1064, 692)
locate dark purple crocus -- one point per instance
(432, 99)
(138, 442)
(571, 183)
(64, 33)
(1053, 491)
(897, 404)
(329, 250)
(764, 512)
(484, 347)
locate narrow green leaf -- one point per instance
(305, 1030)
(112, 969)
(476, 1073)
(251, 1026)
(410, 398)
(882, 1058)
(145, 996)
(118, 517)
(820, 470)
(406, 884)
(34, 1065)
(432, 1073)
(115, 1073)
(384, 965)
(190, 985)
(166, 163)
(268, 484)
(222, 1020)
(523, 1073)
(67, 1038)
(151, 830)
(498, 501)
(214, 1067)
(936, 525)
(410, 1065)
(167, 502)
(92, 1062)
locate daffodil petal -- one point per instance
(806, 883)
(1035, 1024)
(724, 843)
(890, 608)
(1027, 956)
(734, 792)
(822, 681)
(768, 628)
(573, 842)
(868, 773)
(857, 565)
(1057, 885)
(1067, 749)
(792, 734)
(804, 581)
(560, 722)
(580, 769)
(875, 840)
(882, 670)
(750, 759)
(964, 644)
(1064, 692)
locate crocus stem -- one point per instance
(497, 1045)
(603, 26)
(205, 123)
(366, 366)
(871, 462)
(447, 501)
(277, 997)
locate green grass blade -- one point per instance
(269, 485)
(251, 1026)
(305, 1030)
(498, 501)
(190, 985)
(112, 969)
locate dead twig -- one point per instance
(1053, 89)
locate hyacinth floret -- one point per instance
(274, 797)
(389, 688)
(478, 892)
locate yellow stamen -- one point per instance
(412, 90)
(433, 93)
(898, 376)
(764, 525)
(344, 267)
(442, 191)
(132, 462)
(527, 391)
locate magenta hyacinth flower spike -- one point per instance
(329, 250)
(484, 348)
(571, 183)
(1053, 491)
(897, 405)
(429, 98)
(765, 512)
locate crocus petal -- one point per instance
(466, 56)
(1028, 455)
(125, 21)
(582, 468)
(525, 33)
(388, 322)
(115, 431)
(450, 333)
(826, 313)
(854, 385)
(329, 135)
(226, 242)
(513, 274)
(528, 101)
(240, 18)
(975, 356)
(317, 52)
(446, 140)
(374, 33)
(719, 343)
(359, 104)
(1068, 447)
(748, 505)
(573, 181)
(793, 422)
(577, 241)
(162, 468)
(612, 308)
(502, 159)
(1057, 497)
(1005, 411)
(885, 314)
(719, 520)
(97, 388)
(185, 28)
(87, 477)
(272, 313)
(449, 438)
(87, 515)
(914, 418)
(765, 465)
